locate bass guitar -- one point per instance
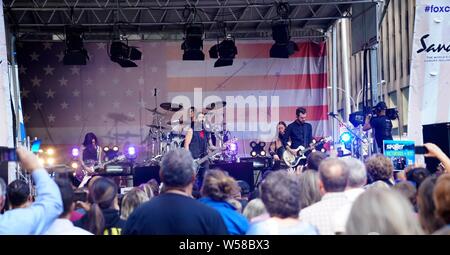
(200, 161)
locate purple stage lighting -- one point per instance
(75, 152)
(233, 147)
(131, 151)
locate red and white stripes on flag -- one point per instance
(62, 103)
(298, 81)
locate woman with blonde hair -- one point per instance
(255, 210)
(133, 199)
(148, 189)
(217, 192)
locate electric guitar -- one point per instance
(293, 159)
(200, 161)
(83, 175)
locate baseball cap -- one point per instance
(381, 106)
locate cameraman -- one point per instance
(381, 125)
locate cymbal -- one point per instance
(154, 111)
(120, 117)
(156, 126)
(171, 107)
(216, 105)
(176, 122)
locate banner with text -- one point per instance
(430, 79)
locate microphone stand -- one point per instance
(348, 128)
(355, 135)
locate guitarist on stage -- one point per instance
(91, 153)
(276, 148)
(197, 141)
(299, 133)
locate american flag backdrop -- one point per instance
(62, 103)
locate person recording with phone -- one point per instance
(38, 217)
(380, 123)
(433, 151)
(63, 225)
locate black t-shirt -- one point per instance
(90, 153)
(299, 133)
(174, 214)
(383, 129)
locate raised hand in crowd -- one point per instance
(28, 160)
(38, 217)
(435, 152)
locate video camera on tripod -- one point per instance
(358, 118)
(391, 113)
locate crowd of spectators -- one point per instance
(330, 196)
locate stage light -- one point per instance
(258, 149)
(50, 151)
(123, 54)
(193, 42)
(283, 47)
(233, 147)
(41, 151)
(232, 150)
(75, 53)
(74, 165)
(131, 152)
(75, 152)
(225, 51)
(346, 137)
(111, 152)
(50, 161)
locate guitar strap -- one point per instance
(86, 178)
(305, 143)
(99, 155)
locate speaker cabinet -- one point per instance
(144, 174)
(438, 134)
(239, 171)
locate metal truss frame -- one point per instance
(144, 16)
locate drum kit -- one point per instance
(166, 135)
